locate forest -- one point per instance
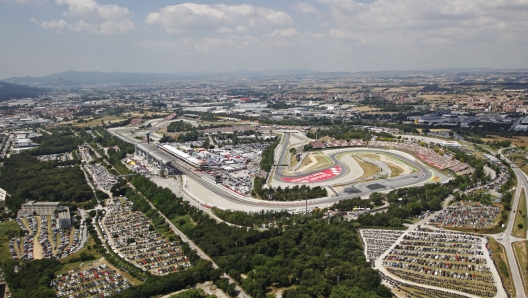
(310, 253)
(33, 278)
(58, 142)
(22, 177)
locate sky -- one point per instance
(39, 37)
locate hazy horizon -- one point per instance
(42, 37)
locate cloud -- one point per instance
(191, 16)
(26, 1)
(412, 22)
(304, 7)
(287, 32)
(60, 24)
(104, 19)
(107, 27)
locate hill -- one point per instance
(12, 91)
(79, 78)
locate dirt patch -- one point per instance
(37, 248)
(26, 225)
(207, 287)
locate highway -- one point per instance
(506, 238)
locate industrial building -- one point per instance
(47, 208)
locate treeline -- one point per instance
(252, 219)
(24, 177)
(348, 205)
(33, 278)
(499, 144)
(58, 142)
(388, 106)
(408, 202)
(279, 105)
(294, 193)
(482, 129)
(341, 133)
(267, 156)
(190, 136)
(477, 163)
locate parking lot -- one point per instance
(133, 237)
(102, 178)
(377, 241)
(52, 242)
(467, 215)
(100, 281)
(450, 260)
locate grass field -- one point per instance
(521, 253)
(520, 218)
(521, 161)
(434, 97)
(341, 90)
(395, 170)
(293, 160)
(516, 140)
(7, 228)
(369, 169)
(498, 255)
(85, 249)
(97, 121)
(322, 162)
(306, 161)
(365, 109)
(369, 155)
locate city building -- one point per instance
(3, 195)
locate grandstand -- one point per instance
(188, 159)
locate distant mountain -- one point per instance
(12, 91)
(60, 82)
(79, 78)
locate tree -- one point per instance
(351, 292)
(376, 198)
(520, 226)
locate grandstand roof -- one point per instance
(182, 155)
(156, 153)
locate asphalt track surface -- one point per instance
(363, 189)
